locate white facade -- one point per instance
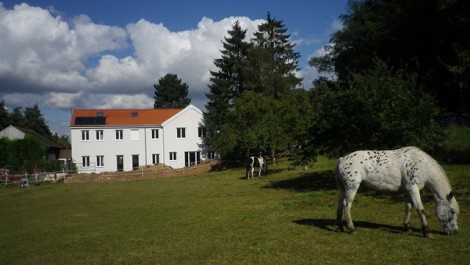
(177, 142)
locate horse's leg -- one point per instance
(418, 204)
(406, 219)
(347, 204)
(339, 212)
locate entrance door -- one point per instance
(120, 162)
(135, 161)
(192, 158)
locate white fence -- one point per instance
(24, 180)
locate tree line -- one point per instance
(30, 118)
(393, 67)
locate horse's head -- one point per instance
(447, 211)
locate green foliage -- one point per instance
(171, 93)
(381, 109)
(456, 146)
(254, 102)
(227, 83)
(30, 118)
(428, 38)
(27, 154)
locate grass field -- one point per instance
(220, 218)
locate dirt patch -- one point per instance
(149, 172)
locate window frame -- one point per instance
(155, 134)
(181, 133)
(119, 134)
(99, 135)
(100, 160)
(85, 135)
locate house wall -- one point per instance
(144, 146)
(190, 119)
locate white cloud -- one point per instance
(140, 101)
(64, 64)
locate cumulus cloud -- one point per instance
(76, 63)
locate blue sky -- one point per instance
(63, 55)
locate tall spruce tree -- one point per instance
(278, 59)
(227, 83)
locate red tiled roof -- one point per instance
(122, 117)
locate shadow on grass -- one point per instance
(316, 181)
(329, 225)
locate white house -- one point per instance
(106, 140)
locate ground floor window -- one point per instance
(172, 156)
(85, 161)
(192, 158)
(100, 161)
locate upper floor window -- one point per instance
(99, 135)
(180, 132)
(154, 133)
(119, 135)
(202, 132)
(135, 134)
(85, 135)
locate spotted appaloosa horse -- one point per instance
(408, 169)
(256, 162)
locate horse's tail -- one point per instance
(339, 183)
(342, 191)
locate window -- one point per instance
(202, 132)
(85, 161)
(211, 155)
(85, 135)
(99, 135)
(180, 133)
(154, 133)
(134, 134)
(100, 161)
(155, 159)
(172, 156)
(119, 135)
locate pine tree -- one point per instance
(227, 83)
(279, 60)
(171, 93)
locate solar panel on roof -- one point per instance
(90, 120)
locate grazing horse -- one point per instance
(407, 169)
(258, 162)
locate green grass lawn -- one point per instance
(221, 218)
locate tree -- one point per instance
(227, 83)
(254, 101)
(171, 93)
(429, 38)
(382, 109)
(4, 116)
(273, 63)
(33, 119)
